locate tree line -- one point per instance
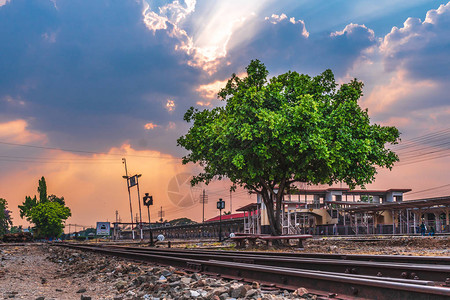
(47, 213)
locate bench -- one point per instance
(287, 238)
(241, 238)
(251, 238)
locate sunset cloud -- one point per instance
(150, 126)
(170, 105)
(116, 77)
(210, 90)
(17, 131)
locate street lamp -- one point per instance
(139, 201)
(124, 161)
(148, 200)
(220, 206)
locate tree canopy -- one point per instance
(48, 214)
(5, 217)
(273, 133)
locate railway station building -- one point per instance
(330, 211)
(341, 211)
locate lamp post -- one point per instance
(139, 201)
(124, 161)
(220, 206)
(148, 200)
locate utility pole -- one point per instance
(161, 214)
(203, 199)
(124, 161)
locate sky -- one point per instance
(84, 84)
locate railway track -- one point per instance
(372, 266)
(337, 281)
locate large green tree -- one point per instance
(48, 214)
(272, 134)
(5, 217)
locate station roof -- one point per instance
(419, 203)
(249, 207)
(349, 191)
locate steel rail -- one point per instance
(345, 287)
(381, 269)
(215, 258)
(441, 260)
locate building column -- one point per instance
(437, 223)
(393, 222)
(415, 215)
(447, 216)
(374, 222)
(367, 219)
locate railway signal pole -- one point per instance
(220, 206)
(148, 200)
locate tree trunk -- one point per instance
(275, 226)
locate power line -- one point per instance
(55, 162)
(85, 151)
(421, 139)
(430, 189)
(424, 148)
(58, 159)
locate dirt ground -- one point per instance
(387, 245)
(415, 245)
(27, 273)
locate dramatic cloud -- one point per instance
(421, 48)
(205, 38)
(413, 79)
(116, 77)
(89, 81)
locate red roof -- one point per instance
(226, 217)
(229, 217)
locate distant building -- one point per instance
(345, 211)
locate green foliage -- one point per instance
(182, 221)
(48, 214)
(366, 198)
(5, 217)
(27, 205)
(16, 229)
(292, 128)
(47, 217)
(60, 200)
(42, 190)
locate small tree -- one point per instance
(48, 214)
(292, 128)
(5, 217)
